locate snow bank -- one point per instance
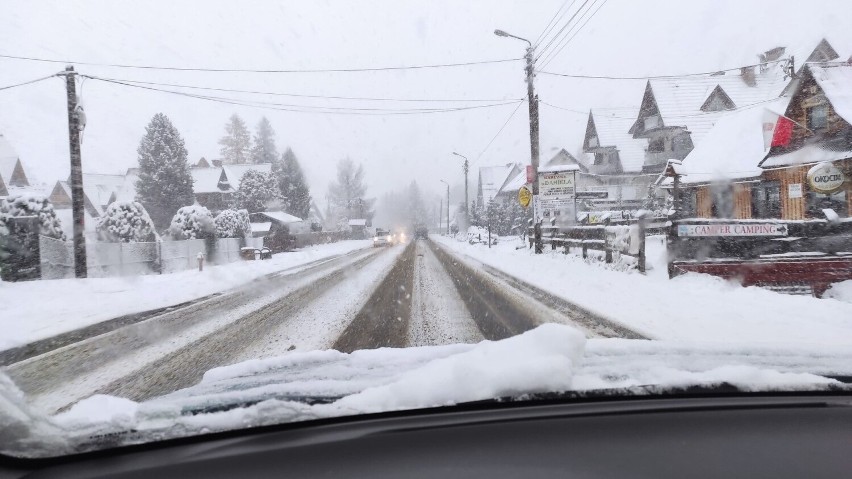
(840, 291)
(690, 307)
(38, 309)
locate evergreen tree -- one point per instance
(257, 190)
(164, 183)
(292, 185)
(264, 150)
(236, 144)
(477, 215)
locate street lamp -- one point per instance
(533, 106)
(448, 207)
(465, 168)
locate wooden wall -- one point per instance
(704, 202)
(742, 201)
(791, 208)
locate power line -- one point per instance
(543, 50)
(304, 108)
(297, 95)
(656, 77)
(30, 82)
(241, 70)
(558, 49)
(552, 24)
(512, 115)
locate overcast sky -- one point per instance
(625, 38)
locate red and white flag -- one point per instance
(777, 129)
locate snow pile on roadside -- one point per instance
(840, 291)
(690, 307)
(39, 309)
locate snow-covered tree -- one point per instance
(236, 144)
(164, 183)
(257, 190)
(477, 214)
(31, 205)
(264, 150)
(126, 222)
(192, 222)
(292, 185)
(232, 224)
(347, 193)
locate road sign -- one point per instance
(524, 197)
(592, 195)
(736, 229)
(530, 174)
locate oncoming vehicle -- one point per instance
(382, 238)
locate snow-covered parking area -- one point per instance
(38, 309)
(692, 307)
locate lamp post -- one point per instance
(448, 207)
(533, 108)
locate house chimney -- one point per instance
(747, 74)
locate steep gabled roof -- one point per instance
(3, 190)
(11, 168)
(612, 129)
(835, 80)
(100, 188)
(492, 178)
(210, 180)
(235, 173)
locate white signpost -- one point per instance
(736, 229)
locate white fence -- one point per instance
(130, 259)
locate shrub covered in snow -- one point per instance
(126, 222)
(27, 205)
(192, 222)
(232, 224)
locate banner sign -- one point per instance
(825, 178)
(557, 185)
(735, 229)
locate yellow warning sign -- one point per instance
(524, 196)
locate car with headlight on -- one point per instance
(382, 238)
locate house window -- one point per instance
(723, 201)
(689, 202)
(766, 200)
(816, 202)
(600, 158)
(682, 143)
(818, 117)
(657, 145)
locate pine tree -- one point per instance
(264, 150)
(236, 144)
(164, 183)
(292, 185)
(257, 190)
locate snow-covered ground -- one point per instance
(692, 307)
(38, 309)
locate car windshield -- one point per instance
(216, 216)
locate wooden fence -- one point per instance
(628, 240)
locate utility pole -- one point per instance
(533, 108)
(448, 206)
(77, 206)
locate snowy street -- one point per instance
(417, 294)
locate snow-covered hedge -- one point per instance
(192, 222)
(30, 205)
(232, 224)
(126, 222)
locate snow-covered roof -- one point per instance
(127, 190)
(514, 184)
(67, 224)
(100, 187)
(613, 130)
(261, 227)
(679, 100)
(558, 168)
(9, 160)
(562, 157)
(732, 149)
(206, 180)
(835, 80)
(357, 222)
(235, 173)
(280, 216)
(492, 178)
(811, 153)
